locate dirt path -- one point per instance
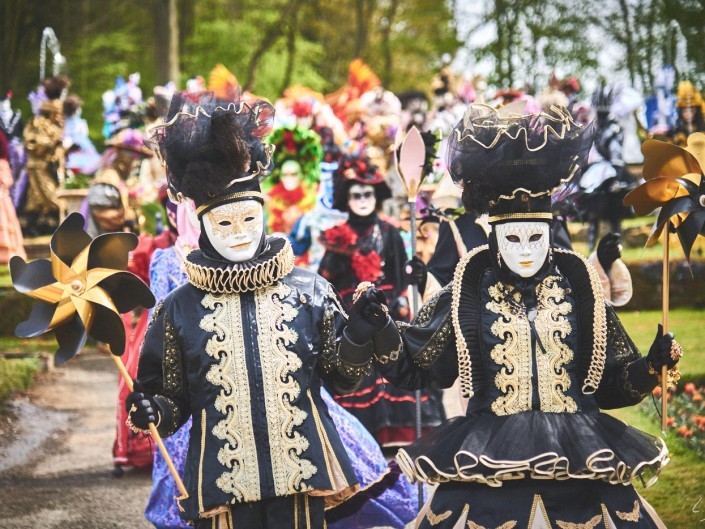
(56, 454)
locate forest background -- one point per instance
(271, 44)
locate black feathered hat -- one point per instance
(213, 148)
(509, 164)
(357, 169)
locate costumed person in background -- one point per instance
(11, 241)
(690, 113)
(43, 139)
(130, 448)
(525, 327)
(244, 344)
(122, 106)
(306, 233)
(368, 249)
(109, 204)
(297, 155)
(606, 181)
(166, 273)
(12, 125)
(82, 156)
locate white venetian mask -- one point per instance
(361, 199)
(523, 246)
(235, 229)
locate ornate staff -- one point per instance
(410, 161)
(82, 291)
(674, 183)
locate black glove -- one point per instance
(660, 351)
(609, 250)
(142, 408)
(367, 316)
(415, 272)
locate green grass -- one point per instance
(15, 374)
(681, 484)
(5, 280)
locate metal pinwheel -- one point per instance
(674, 183)
(82, 290)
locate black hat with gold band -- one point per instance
(213, 149)
(509, 165)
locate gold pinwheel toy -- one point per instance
(82, 290)
(674, 183)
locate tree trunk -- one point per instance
(386, 45)
(167, 41)
(292, 30)
(628, 42)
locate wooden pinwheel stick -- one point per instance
(664, 323)
(153, 431)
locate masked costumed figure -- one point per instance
(11, 241)
(368, 249)
(43, 138)
(297, 156)
(12, 125)
(305, 235)
(243, 346)
(525, 327)
(690, 113)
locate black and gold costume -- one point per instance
(245, 357)
(533, 410)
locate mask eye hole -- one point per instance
(249, 219)
(535, 237)
(513, 238)
(224, 223)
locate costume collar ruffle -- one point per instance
(274, 263)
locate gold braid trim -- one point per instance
(233, 280)
(599, 329)
(464, 367)
(631, 516)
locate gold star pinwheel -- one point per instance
(674, 183)
(82, 290)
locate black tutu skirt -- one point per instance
(490, 450)
(537, 504)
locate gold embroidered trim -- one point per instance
(324, 437)
(281, 389)
(552, 327)
(233, 280)
(239, 453)
(590, 524)
(464, 363)
(513, 352)
(329, 343)
(175, 414)
(227, 198)
(506, 216)
(538, 504)
(173, 373)
(511, 524)
(599, 348)
(200, 461)
(632, 516)
(435, 519)
(601, 464)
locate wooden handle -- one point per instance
(664, 323)
(153, 431)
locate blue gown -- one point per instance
(386, 499)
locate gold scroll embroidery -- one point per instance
(239, 453)
(552, 328)
(632, 516)
(281, 390)
(590, 524)
(513, 352)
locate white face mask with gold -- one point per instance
(235, 229)
(523, 246)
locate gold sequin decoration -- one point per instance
(227, 346)
(435, 519)
(590, 524)
(438, 343)
(281, 389)
(632, 516)
(552, 328)
(172, 368)
(329, 344)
